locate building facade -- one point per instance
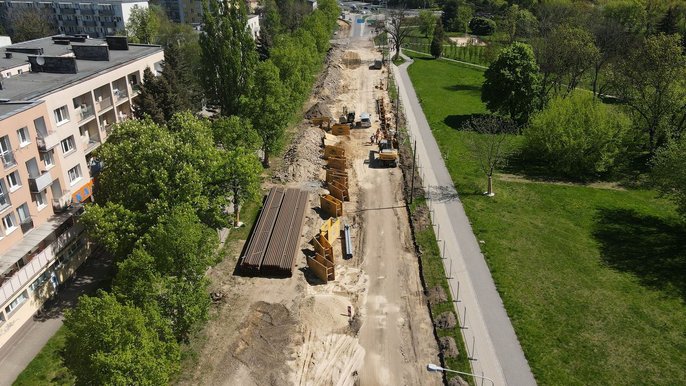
(59, 99)
(94, 18)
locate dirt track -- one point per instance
(296, 331)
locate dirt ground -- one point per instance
(296, 330)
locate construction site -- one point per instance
(326, 289)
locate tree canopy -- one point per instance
(110, 343)
(228, 54)
(578, 137)
(512, 83)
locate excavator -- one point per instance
(348, 116)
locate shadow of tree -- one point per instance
(457, 121)
(652, 248)
(463, 87)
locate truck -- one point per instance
(387, 156)
(365, 120)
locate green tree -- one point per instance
(512, 83)
(449, 13)
(482, 26)
(669, 172)
(150, 101)
(651, 82)
(109, 343)
(427, 22)
(612, 41)
(143, 25)
(113, 226)
(29, 23)
(564, 56)
(398, 27)
(269, 107)
(235, 132)
(631, 14)
(465, 13)
(241, 176)
(669, 22)
(490, 144)
(577, 136)
(228, 54)
(182, 94)
(270, 27)
(151, 169)
(166, 272)
(437, 40)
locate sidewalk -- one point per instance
(20, 350)
(489, 337)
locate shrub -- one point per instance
(482, 26)
(577, 137)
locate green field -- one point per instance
(594, 279)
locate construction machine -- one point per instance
(388, 155)
(348, 116)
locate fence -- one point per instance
(454, 278)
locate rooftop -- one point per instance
(11, 108)
(32, 85)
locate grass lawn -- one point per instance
(593, 279)
(46, 368)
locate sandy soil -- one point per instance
(297, 331)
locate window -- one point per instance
(24, 138)
(61, 115)
(40, 199)
(24, 213)
(6, 152)
(74, 174)
(40, 280)
(68, 253)
(4, 200)
(48, 159)
(14, 181)
(18, 301)
(68, 144)
(9, 222)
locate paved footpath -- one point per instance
(489, 337)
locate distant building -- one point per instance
(96, 18)
(254, 25)
(59, 98)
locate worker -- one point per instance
(371, 139)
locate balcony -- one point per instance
(91, 145)
(8, 159)
(120, 95)
(27, 225)
(86, 112)
(38, 251)
(48, 142)
(40, 183)
(62, 203)
(104, 103)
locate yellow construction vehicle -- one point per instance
(387, 155)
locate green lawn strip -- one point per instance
(46, 368)
(588, 276)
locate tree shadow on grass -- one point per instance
(652, 248)
(457, 122)
(463, 87)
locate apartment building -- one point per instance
(96, 18)
(59, 98)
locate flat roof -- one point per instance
(32, 85)
(11, 108)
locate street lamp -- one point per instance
(433, 367)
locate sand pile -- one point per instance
(302, 161)
(319, 109)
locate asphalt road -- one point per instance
(490, 337)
